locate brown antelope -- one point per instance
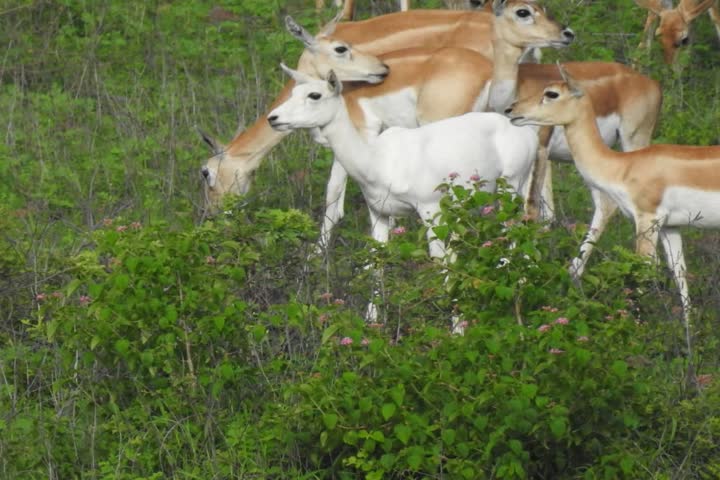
(661, 187)
(674, 27)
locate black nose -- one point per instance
(568, 33)
(272, 118)
(508, 110)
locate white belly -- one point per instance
(684, 206)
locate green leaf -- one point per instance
(448, 436)
(557, 426)
(122, 346)
(330, 420)
(329, 332)
(388, 410)
(619, 368)
(503, 292)
(94, 342)
(402, 432)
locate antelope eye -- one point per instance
(552, 94)
(341, 49)
(314, 96)
(523, 13)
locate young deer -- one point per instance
(398, 171)
(661, 187)
(674, 28)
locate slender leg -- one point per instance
(380, 226)
(672, 244)
(538, 201)
(604, 210)
(647, 229)
(334, 204)
(404, 5)
(439, 250)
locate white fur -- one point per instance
(399, 171)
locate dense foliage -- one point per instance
(139, 340)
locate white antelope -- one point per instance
(399, 170)
(674, 28)
(661, 187)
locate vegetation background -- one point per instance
(138, 340)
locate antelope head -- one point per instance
(324, 53)
(221, 175)
(557, 105)
(313, 103)
(674, 27)
(526, 24)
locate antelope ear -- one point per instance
(329, 28)
(498, 7)
(297, 31)
(574, 87)
(334, 84)
(299, 77)
(216, 146)
(689, 10)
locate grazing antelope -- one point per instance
(230, 168)
(674, 28)
(661, 187)
(399, 170)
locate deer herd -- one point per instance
(430, 92)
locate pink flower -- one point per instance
(544, 328)
(323, 317)
(399, 230)
(365, 341)
(40, 297)
(84, 300)
(489, 243)
(548, 308)
(561, 321)
(339, 301)
(556, 351)
(583, 338)
(136, 225)
(462, 324)
(107, 221)
(475, 177)
(346, 341)
(210, 260)
(487, 209)
(453, 175)
(121, 228)
(326, 296)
